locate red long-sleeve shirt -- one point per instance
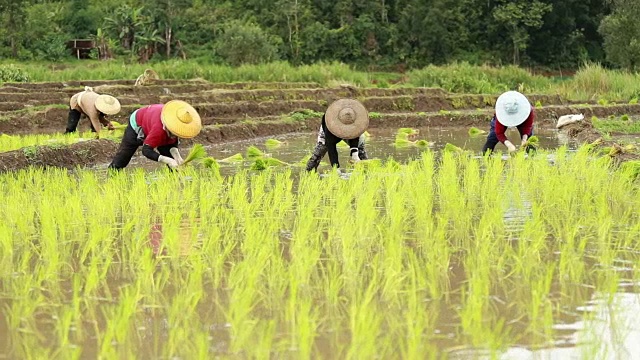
(524, 128)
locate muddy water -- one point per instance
(380, 145)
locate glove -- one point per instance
(354, 155)
(510, 147)
(169, 161)
(175, 153)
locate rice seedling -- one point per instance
(474, 131)
(413, 260)
(532, 142)
(197, 152)
(116, 125)
(254, 153)
(423, 143)
(232, 159)
(407, 131)
(263, 163)
(273, 143)
(402, 141)
(448, 147)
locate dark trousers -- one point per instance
(492, 138)
(128, 147)
(331, 147)
(73, 120)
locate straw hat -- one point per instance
(512, 108)
(107, 104)
(181, 119)
(347, 118)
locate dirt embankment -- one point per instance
(65, 156)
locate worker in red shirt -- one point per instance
(512, 110)
(158, 128)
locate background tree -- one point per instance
(621, 32)
(517, 17)
(13, 13)
(242, 43)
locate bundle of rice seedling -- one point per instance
(407, 131)
(474, 131)
(232, 159)
(423, 143)
(273, 143)
(532, 142)
(263, 163)
(402, 141)
(367, 135)
(116, 125)
(274, 162)
(254, 153)
(452, 148)
(342, 145)
(259, 164)
(615, 150)
(210, 162)
(197, 152)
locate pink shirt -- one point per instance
(148, 118)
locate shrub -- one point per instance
(11, 73)
(246, 44)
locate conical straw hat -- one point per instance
(107, 105)
(181, 119)
(347, 118)
(512, 108)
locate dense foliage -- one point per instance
(367, 33)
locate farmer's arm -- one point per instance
(500, 132)
(95, 121)
(152, 141)
(527, 127)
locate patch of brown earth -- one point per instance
(65, 156)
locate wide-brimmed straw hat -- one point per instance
(512, 108)
(181, 119)
(107, 104)
(347, 118)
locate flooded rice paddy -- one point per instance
(436, 255)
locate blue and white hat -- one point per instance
(512, 108)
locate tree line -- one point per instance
(374, 34)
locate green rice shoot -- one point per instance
(254, 153)
(273, 143)
(474, 131)
(198, 152)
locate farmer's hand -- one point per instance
(354, 156)
(510, 147)
(175, 153)
(169, 161)
(110, 126)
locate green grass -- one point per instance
(622, 125)
(591, 83)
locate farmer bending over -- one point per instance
(345, 120)
(157, 129)
(512, 110)
(94, 106)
